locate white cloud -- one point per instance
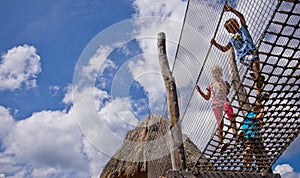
(51, 143)
(83, 97)
(7, 121)
(284, 168)
(118, 114)
(43, 139)
(104, 124)
(97, 160)
(53, 90)
(174, 9)
(98, 62)
(19, 67)
(47, 144)
(143, 70)
(167, 16)
(286, 171)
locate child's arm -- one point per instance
(227, 88)
(219, 46)
(237, 13)
(260, 114)
(205, 96)
(259, 117)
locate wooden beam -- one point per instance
(177, 149)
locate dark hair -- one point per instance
(256, 108)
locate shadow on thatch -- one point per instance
(145, 151)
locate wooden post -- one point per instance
(177, 149)
(236, 81)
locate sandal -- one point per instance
(260, 81)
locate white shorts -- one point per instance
(248, 59)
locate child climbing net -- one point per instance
(218, 91)
(244, 47)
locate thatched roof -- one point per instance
(145, 151)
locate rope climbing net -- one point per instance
(274, 27)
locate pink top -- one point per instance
(219, 92)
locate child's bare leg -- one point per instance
(233, 126)
(249, 149)
(220, 135)
(248, 157)
(256, 67)
(256, 70)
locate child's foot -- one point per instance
(241, 136)
(224, 147)
(259, 81)
(234, 136)
(237, 137)
(247, 161)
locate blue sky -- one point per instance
(59, 30)
(41, 43)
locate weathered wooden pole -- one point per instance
(236, 81)
(177, 149)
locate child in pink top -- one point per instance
(218, 91)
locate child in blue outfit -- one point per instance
(251, 123)
(243, 44)
(250, 132)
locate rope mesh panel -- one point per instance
(274, 26)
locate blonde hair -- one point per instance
(217, 70)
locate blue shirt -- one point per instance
(242, 42)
